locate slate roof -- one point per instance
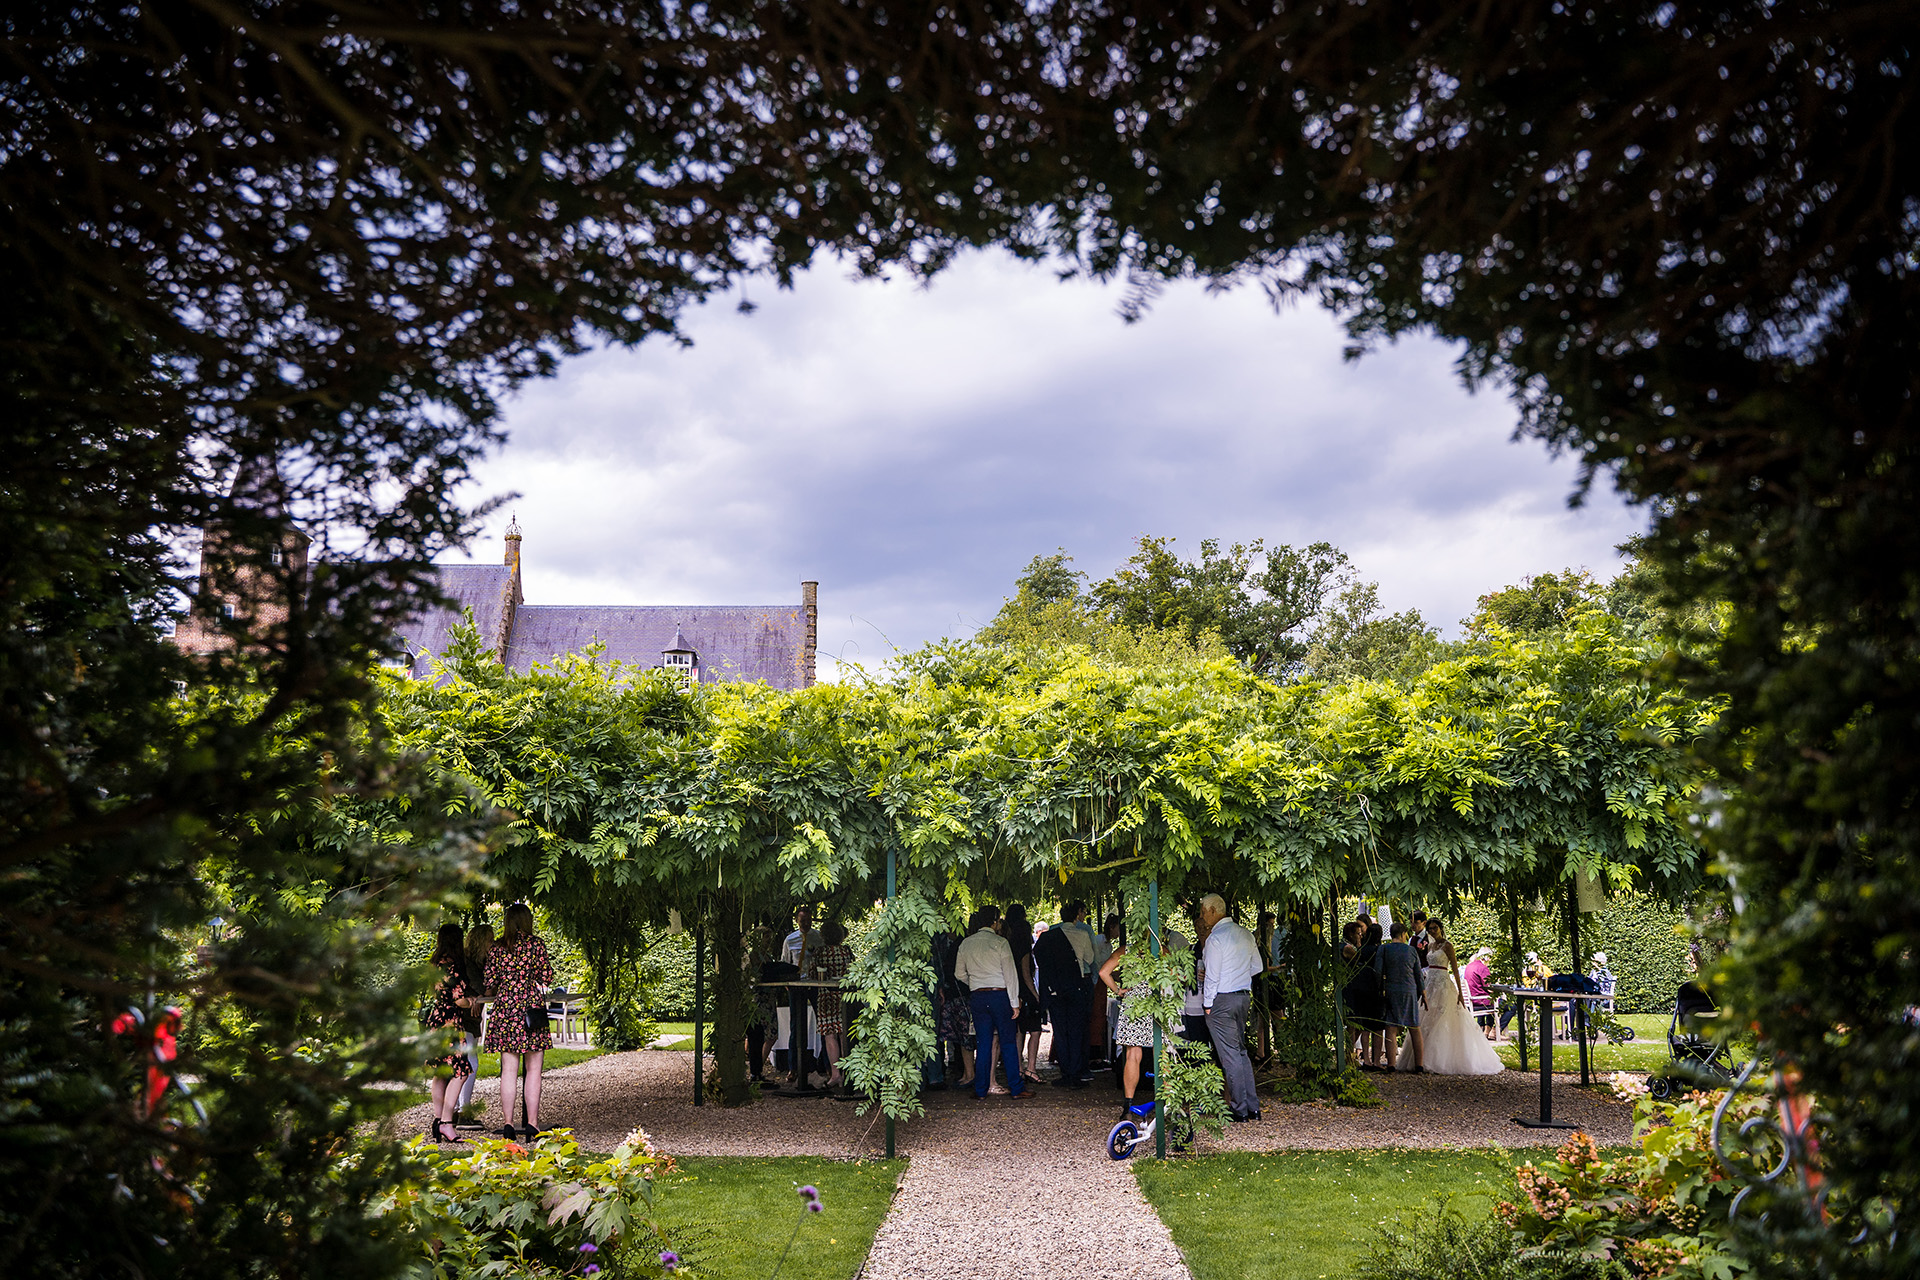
(482, 588)
(732, 642)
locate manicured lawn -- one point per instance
(730, 1216)
(555, 1059)
(1646, 1052)
(1306, 1215)
(685, 1029)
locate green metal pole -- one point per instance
(699, 1053)
(1153, 948)
(890, 892)
(1339, 1012)
(1519, 970)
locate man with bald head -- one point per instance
(1229, 961)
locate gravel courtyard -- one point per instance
(970, 1160)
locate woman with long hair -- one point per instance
(479, 944)
(1019, 934)
(518, 973)
(832, 963)
(447, 1010)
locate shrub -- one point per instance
(1312, 1082)
(1444, 1244)
(1660, 1209)
(546, 1210)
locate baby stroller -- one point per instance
(1696, 1058)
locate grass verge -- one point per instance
(1646, 1052)
(555, 1059)
(1306, 1215)
(731, 1216)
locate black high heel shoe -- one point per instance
(443, 1131)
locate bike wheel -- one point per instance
(1661, 1088)
(1121, 1140)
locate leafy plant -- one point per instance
(1660, 1209)
(1313, 1081)
(542, 1211)
(1443, 1243)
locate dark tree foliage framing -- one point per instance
(318, 242)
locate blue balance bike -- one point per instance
(1134, 1128)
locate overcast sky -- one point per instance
(912, 448)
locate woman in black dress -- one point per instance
(447, 1010)
(1364, 999)
(1032, 1017)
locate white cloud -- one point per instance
(913, 447)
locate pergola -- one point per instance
(986, 774)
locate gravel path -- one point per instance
(971, 1161)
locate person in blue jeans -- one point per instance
(984, 963)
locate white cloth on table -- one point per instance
(783, 1016)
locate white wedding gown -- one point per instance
(1452, 1042)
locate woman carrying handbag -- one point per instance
(519, 972)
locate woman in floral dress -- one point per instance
(832, 963)
(447, 1009)
(518, 974)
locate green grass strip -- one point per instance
(730, 1216)
(1306, 1215)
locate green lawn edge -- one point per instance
(1308, 1215)
(730, 1216)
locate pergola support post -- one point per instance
(1339, 1012)
(1519, 971)
(1153, 949)
(699, 1026)
(1577, 1009)
(890, 950)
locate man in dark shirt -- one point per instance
(1068, 995)
(1403, 992)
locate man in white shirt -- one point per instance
(984, 963)
(1229, 961)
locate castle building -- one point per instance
(247, 594)
(775, 643)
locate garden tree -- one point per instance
(1357, 640)
(1261, 601)
(1539, 603)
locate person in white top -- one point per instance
(1229, 961)
(984, 962)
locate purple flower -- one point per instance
(589, 1247)
(814, 1206)
(589, 1269)
(811, 1193)
(669, 1259)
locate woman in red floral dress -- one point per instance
(518, 974)
(832, 963)
(452, 996)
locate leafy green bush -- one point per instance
(1445, 1244)
(1312, 1081)
(1661, 1209)
(547, 1210)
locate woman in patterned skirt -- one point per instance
(447, 1010)
(1134, 1035)
(518, 973)
(832, 963)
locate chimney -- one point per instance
(510, 595)
(810, 602)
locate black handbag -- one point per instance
(537, 1019)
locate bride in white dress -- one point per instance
(1453, 1042)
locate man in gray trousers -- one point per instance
(1229, 961)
